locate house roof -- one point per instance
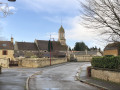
(26, 46)
(6, 45)
(57, 46)
(43, 45)
(112, 46)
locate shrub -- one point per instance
(106, 62)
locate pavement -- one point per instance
(104, 85)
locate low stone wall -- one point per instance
(85, 58)
(40, 62)
(4, 63)
(112, 76)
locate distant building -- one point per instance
(7, 49)
(39, 48)
(90, 53)
(112, 49)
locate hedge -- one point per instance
(106, 62)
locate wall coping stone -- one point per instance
(106, 69)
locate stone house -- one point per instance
(112, 49)
(7, 49)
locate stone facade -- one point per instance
(9, 55)
(7, 49)
(84, 58)
(111, 52)
(40, 62)
(112, 76)
(112, 49)
(4, 63)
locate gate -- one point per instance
(13, 63)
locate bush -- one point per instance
(106, 62)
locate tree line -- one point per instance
(81, 46)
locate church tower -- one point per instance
(61, 37)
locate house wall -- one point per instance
(112, 76)
(111, 52)
(86, 58)
(4, 63)
(40, 62)
(10, 54)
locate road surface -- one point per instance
(61, 77)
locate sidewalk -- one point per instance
(104, 85)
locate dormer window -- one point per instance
(4, 45)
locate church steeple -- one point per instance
(61, 37)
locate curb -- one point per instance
(84, 81)
(92, 84)
(28, 79)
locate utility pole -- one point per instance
(50, 48)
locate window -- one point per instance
(4, 45)
(4, 52)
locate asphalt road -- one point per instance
(15, 78)
(56, 77)
(61, 77)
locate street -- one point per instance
(59, 78)
(56, 77)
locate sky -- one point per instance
(38, 19)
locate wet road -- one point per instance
(59, 78)
(15, 78)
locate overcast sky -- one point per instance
(37, 19)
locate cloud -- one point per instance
(51, 6)
(77, 32)
(12, 8)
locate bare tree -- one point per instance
(103, 16)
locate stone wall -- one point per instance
(40, 62)
(86, 58)
(4, 63)
(112, 76)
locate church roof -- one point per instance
(61, 29)
(6, 45)
(43, 45)
(26, 46)
(112, 46)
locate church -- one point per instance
(39, 48)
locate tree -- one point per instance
(102, 15)
(50, 46)
(80, 46)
